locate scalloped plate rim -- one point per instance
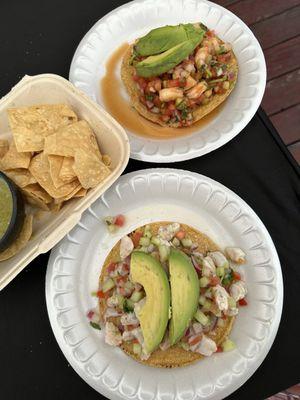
(220, 394)
(193, 153)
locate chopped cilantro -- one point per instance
(95, 326)
(228, 278)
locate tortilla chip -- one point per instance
(40, 169)
(13, 159)
(66, 172)
(81, 193)
(21, 177)
(67, 140)
(89, 169)
(21, 240)
(30, 125)
(36, 196)
(55, 163)
(69, 196)
(127, 72)
(3, 147)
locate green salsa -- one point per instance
(6, 207)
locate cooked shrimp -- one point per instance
(236, 254)
(197, 90)
(169, 94)
(212, 44)
(201, 56)
(190, 82)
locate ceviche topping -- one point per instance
(174, 95)
(169, 249)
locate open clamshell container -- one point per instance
(49, 228)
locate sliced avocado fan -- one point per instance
(154, 314)
(166, 47)
(164, 38)
(184, 294)
(157, 65)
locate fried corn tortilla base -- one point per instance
(127, 72)
(175, 356)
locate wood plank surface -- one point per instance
(276, 24)
(278, 28)
(287, 124)
(253, 11)
(226, 3)
(282, 93)
(283, 58)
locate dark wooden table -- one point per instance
(276, 24)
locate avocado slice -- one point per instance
(160, 63)
(154, 314)
(164, 38)
(184, 293)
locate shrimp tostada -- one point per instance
(175, 75)
(168, 296)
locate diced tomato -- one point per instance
(180, 234)
(210, 33)
(243, 302)
(121, 280)
(130, 327)
(221, 90)
(236, 276)
(143, 100)
(214, 281)
(219, 349)
(195, 339)
(165, 118)
(135, 341)
(224, 58)
(213, 73)
(157, 102)
(167, 112)
(136, 238)
(224, 316)
(203, 290)
(125, 267)
(173, 83)
(135, 78)
(101, 294)
(111, 267)
(119, 220)
(171, 106)
(142, 83)
(90, 314)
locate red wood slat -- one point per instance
(287, 124)
(283, 58)
(252, 11)
(295, 150)
(282, 92)
(278, 28)
(226, 3)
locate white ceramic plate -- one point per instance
(75, 264)
(133, 20)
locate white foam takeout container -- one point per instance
(49, 228)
